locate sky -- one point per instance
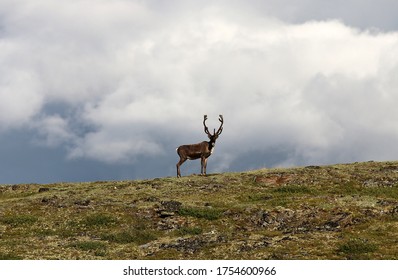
(94, 90)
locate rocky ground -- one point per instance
(347, 211)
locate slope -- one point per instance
(345, 211)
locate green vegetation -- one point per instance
(209, 214)
(96, 248)
(346, 211)
(356, 248)
(138, 237)
(98, 220)
(89, 245)
(190, 231)
(18, 220)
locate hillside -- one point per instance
(347, 211)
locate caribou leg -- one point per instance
(203, 166)
(182, 160)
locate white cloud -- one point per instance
(54, 130)
(20, 97)
(121, 146)
(141, 77)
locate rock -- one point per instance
(170, 206)
(165, 214)
(313, 167)
(193, 244)
(85, 202)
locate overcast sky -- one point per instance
(106, 90)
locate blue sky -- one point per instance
(106, 90)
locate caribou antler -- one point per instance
(204, 124)
(221, 119)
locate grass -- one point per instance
(9, 256)
(99, 220)
(345, 211)
(89, 245)
(293, 190)
(96, 248)
(138, 237)
(18, 220)
(209, 214)
(189, 231)
(356, 248)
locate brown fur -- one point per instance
(201, 150)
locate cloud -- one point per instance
(134, 80)
(365, 15)
(54, 130)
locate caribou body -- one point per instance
(201, 150)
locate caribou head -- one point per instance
(201, 150)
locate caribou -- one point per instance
(201, 150)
